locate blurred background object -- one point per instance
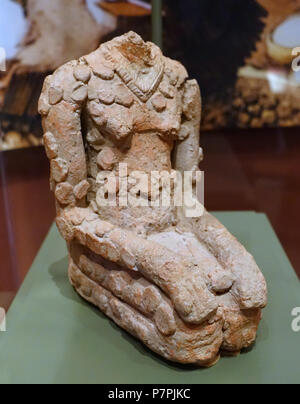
(239, 51)
(266, 92)
(41, 35)
(281, 27)
(133, 8)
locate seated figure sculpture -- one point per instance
(184, 286)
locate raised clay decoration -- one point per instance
(182, 285)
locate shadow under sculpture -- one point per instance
(184, 286)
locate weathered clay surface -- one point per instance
(185, 287)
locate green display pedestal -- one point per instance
(53, 336)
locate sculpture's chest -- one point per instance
(119, 109)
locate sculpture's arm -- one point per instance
(187, 153)
(249, 286)
(63, 96)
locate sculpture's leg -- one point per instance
(128, 286)
(249, 287)
(240, 325)
(186, 244)
(145, 312)
(177, 277)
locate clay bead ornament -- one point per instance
(80, 94)
(81, 189)
(55, 95)
(82, 73)
(159, 103)
(50, 145)
(59, 169)
(123, 96)
(64, 193)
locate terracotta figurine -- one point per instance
(182, 285)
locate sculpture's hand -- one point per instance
(249, 286)
(177, 277)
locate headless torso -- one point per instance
(133, 116)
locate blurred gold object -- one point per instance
(278, 53)
(267, 51)
(13, 140)
(127, 8)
